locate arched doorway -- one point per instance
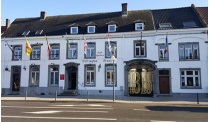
(71, 74)
(139, 77)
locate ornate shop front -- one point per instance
(139, 77)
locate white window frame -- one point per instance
(91, 27)
(72, 51)
(36, 53)
(195, 77)
(71, 30)
(54, 50)
(137, 26)
(34, 70)
(184, 52)
(90, 50)
(112, 25)
(139, 48)
(109, 81)
(55, 71)
(162, 56)
(17, 52)
(89, 72)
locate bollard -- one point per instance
(55, 95)
(87, 95)
(25, 95)
(197, 98)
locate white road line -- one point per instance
(141, 110)
(161, 121)
(70, 118)
(94, 105)
(88, 111)
(43, 112)
(51, 107)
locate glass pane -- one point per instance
(164, 72)
(52, 78)
(190, 81)
(196, 72)
(137, 51)
(92, 77)
(88, 77)
(33, 78)
(196, 81)
(142, 50)
(37, 78)
(189, 72)
(182, 72)
(56, 77)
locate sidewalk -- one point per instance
(123, 99)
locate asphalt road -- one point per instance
(33, 111)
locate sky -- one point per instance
(13, 9)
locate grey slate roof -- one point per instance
(176, 17)
(59, 25)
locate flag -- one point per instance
(28, 48)
(85, 45)
(108, 39)
(9, 47)
(48, 48)
(166, 45)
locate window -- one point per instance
(35, 72)
(90, 50)
(163, 55)
(189, 51)
(25, 33)
(107, 51)
(17, 55)
(53, 75)
(35, 53)
(91, 29)
(190, 78)
(54, 54)
(139, 26)
(72, 51)
(38, 32)
(140, 48)
(110, 75)
(90, 75)
(112, 28)
(165, 26)
(189, 24)
(74, 30)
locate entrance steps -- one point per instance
(69, 93)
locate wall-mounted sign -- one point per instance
(62, 76)
(87, 60)
(107, 60)
(99, 53)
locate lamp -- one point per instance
(24, 68)
(99, 66)
(7, 69)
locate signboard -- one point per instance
(62, 76)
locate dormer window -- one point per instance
(91, 29)
(38, 32)
(112, 28)
(165, 26)
(190, 24)
(25, 33)
(74, 30)
(139, 26)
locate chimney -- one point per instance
(43, 15)
(7, 23)
(124, 9)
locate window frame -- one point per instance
(192, 50)
(54, 72)
(68, 51)
(71, 30)
(30, 75)
(109, 27)
(193, 76)
(52, 45)
(31, 56)
(88, 48)
(159, 53)
(85, 75)
(20, 52)
(115, 70)
(107, 48)
(88, 27)
(145, 49)
(142, 25)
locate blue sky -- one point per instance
(12, 9)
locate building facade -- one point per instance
(158, 52)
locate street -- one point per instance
(46, 111)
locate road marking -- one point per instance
(141, 110)
(94, 105)
(161, 121)
(88, 111)
(51, 107)
(70, 118)
(43, 112)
